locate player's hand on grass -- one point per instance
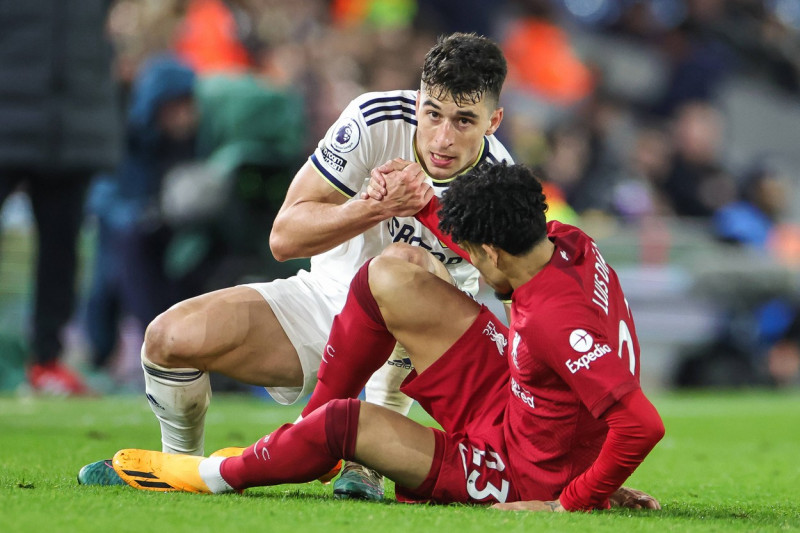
(531, 505)
(633, 499)
(401, 184)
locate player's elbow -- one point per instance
(639, 420)
(281, 246)
(652, 430)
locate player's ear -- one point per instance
(494, 120)
(491, 253)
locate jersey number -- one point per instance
(626, 339)
(478, 459)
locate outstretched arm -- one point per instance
(634, 429)
(316, 217)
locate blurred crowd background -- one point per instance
(667, 129)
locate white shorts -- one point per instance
(305, 307)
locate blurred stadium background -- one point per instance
(667, 129)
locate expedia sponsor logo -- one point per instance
(580, 340)
(522, 393)
(336, 162)
(588, 358)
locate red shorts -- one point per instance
(466, 391)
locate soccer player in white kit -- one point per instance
(273, 334)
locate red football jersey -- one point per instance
(572, 353)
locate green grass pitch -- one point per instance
(729, 462)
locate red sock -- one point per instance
(296, 453)
(358, 345)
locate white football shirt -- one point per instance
(374, 128)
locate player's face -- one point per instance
(450, 137)
(487, 266)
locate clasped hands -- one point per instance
(401, 185)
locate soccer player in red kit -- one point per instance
(546, 415)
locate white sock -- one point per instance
(383, 388)
(209, 472)
(179, 397)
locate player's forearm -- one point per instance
(310, 228)
(634, 429)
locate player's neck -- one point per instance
(521, 269)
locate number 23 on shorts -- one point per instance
(484, 474)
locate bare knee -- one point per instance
(393, 280)
(165, 340)
(411, 254)
(388, 272)
(417, 256)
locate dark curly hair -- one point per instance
(497, 204)
(466, 67)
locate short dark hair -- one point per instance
(466, 67)
(498, 204)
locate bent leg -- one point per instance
(383, 387)
(376, 437)
(394, 445)
(424, 313)
(232, 331)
